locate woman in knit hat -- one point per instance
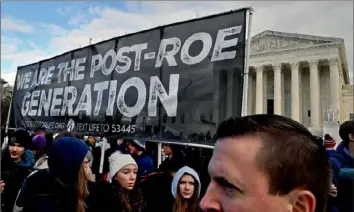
(121, 194)
(186, 190)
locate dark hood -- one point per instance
(65, 158)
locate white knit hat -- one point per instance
(117, 161)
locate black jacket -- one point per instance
(13, 176)
(157, 192)
(42, 192)
(104, 197)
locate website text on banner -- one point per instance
(176, 81)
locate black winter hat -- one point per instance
(22, 137)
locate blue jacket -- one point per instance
(341, 159)
(145, 165)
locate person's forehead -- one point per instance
(15, 144)
(129, 167)
(234, 157)
(187, 177)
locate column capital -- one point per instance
(277, 66)
(334, 62)
(294, 66)
(313, 63)
(259, 69)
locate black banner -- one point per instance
(174, 82)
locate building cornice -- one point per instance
(296, 49)
(297, 36)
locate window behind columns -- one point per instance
(351, 117)
(270, 106)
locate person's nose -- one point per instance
(16, 148)
(188, 186)
(132, 176)
(210, 200)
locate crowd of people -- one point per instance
(259, 163)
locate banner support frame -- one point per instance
(246, 71)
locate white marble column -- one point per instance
(265, 91)
(335, 85)
(295, 91)
(250, 94)
(278, 92)
(315, 96)
(259, 90)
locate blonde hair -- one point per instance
(82, 190)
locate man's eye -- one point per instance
(230, 191)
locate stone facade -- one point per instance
(299, 76)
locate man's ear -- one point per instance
(351, 137)
(302, 201)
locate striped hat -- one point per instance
(328, 141)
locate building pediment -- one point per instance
(268, 41)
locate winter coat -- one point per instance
(42, 163)
(346, 190)
(13, 175)
(54, 189)
(340, 160)
(145, 164)
(106, 197)
(156, 189)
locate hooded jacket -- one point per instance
(42, 163)
(53, 189)
(339, 160)
(179, 175)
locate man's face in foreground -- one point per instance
(238, 185)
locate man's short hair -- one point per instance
(291, 157)
(345, 130)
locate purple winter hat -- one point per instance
(38, 142)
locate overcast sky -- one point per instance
(32, 31)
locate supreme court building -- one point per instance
(299, 76)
